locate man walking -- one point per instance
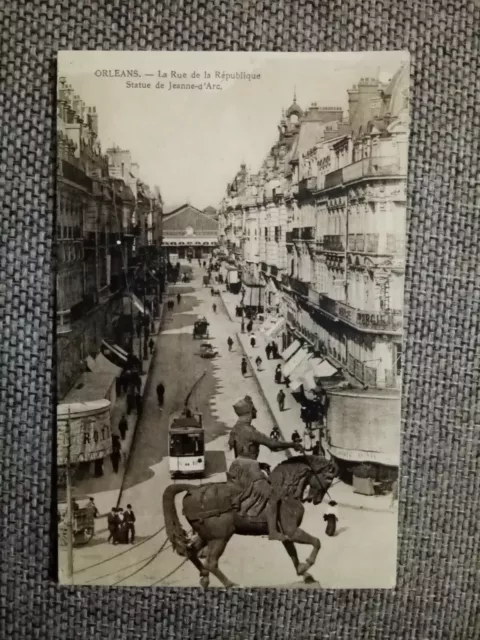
(244, 366)
(151, 345)
(112, 522)
(281, 400)
(230, 343)
(268, 351)
(123, 427)
(116, 453)
(179, 298)
(253, 341)
(214, 307)
(130, 523)
(160, 393)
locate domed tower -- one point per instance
(294, 112)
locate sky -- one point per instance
(191, 142)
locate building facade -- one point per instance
(104, 216)
(323, 225)
(189, 232)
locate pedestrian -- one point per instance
(123, 427)
(214, 307)
(268, 351)
(281, 400)
(275, 433)
(139, 404)
(274, 350)
(230, 343)
(258, 362)
(98, 464)
(278, 374)
(112, 522)
(160, 393)
(244, 366)
(151, 345)
(115, 457)
(179, 298)
(296, 438)
(130, 523)
(331, 518)
(287, 381)
(121, 533)
(91, 508)
(249, 326)
(135, 381)
(318, 450)
(252, 341)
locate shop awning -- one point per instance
(273, 326)
(91, 363)
(90, 387)
(291, 350)
(115, 350)
(294, 361)
(138, 303)
(299, 371)
(321, 368)
(103, 364)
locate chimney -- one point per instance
(93, 120)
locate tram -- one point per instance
(186, 445)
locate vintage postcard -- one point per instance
(230, 258)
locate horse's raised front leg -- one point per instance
(215, 549)
(302, 537)
(292, 552)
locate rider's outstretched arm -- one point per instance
(273, 445)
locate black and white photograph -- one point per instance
(229, 274)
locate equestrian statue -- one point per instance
(250, 502)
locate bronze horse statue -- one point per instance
(214, 511)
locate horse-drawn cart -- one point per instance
(207, 350)
(83, 523)
(200, 329)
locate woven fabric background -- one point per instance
(437, 592)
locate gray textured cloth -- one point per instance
(439, 535)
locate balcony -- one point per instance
(334, 243)
(334, 179)
(288, 237)
(327, 304)
(372, 167)
(73, 174)
(308, 233)
(363, 242)
(299, 286)
(295, 234)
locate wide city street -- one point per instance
(361, 555)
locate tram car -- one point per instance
(186, 445)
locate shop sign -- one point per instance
(365, 456)
(90, 431)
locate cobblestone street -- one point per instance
(363, 554)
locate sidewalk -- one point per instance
(289, 420)
(107, 489)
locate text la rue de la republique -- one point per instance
(177, 80)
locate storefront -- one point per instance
(364, 427)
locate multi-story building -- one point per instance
(97, 235)
(325, 224)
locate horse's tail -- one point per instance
(175, 532)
